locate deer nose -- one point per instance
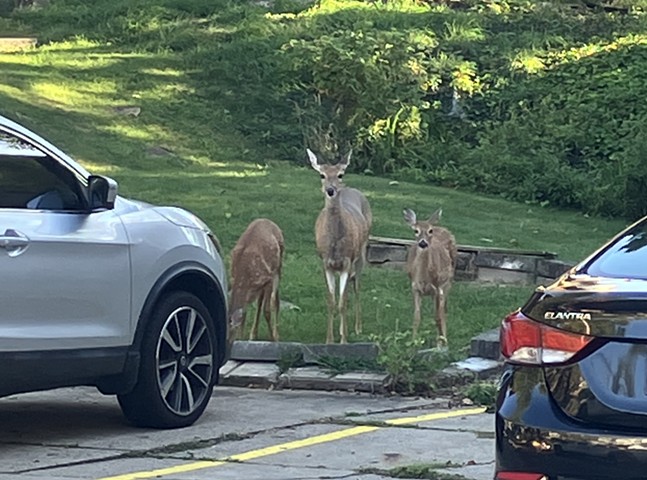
(423, 243)
(330, 191)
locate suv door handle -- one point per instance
(13, 242)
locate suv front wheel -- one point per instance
(176, 373)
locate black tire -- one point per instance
(176, 371)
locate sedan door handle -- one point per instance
(14, 242)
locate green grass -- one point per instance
(67, 89)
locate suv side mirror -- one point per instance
(102, 192)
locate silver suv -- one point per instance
(96, 289)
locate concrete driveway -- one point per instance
(245, 433)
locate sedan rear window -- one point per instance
(626, 257)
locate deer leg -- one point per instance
(358, 306)
(268, 304)
(276, 302)
(440, 318)
(343, 297)
(417, 301)
(330, 281)
(237, 330)
(253, 333)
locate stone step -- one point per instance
(268, 375)
(263, 351)
(254, 364)
(486, 345)
(14, 44)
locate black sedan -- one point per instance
(572, 402)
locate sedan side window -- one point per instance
(30, 179)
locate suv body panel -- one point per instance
(76, 300)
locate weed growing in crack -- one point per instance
(410, 371)
(423, 471)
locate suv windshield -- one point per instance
(626, 257)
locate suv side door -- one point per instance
(65, 271)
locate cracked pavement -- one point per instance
(80, 434)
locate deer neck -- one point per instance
(424, 258)
(239, 298)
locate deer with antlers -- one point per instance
(341, 234)
(431, 262)
(256, 263)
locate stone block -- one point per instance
(307, 378)
(552, 268)
(14, 44)
(252, 374)
(380, 253)
(486, 345)
(465, 262)
(496, 275)
(361, 382)
(363, 351)
(504, 261)
(228, 367)
(482, 367)
(453, 376)
(260, 351)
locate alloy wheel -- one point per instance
(184, 360)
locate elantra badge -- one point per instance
(567, 316)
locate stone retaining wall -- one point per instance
(485, 264)
(14, 44)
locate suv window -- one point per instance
(30, 179)
(626, 257)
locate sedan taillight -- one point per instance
(525, 341)
(520, 476)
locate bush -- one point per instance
(409, 371)
(541, 102)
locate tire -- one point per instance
(178, 361)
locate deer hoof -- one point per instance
(441, 342)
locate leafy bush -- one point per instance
(535, 101)
(482, 393)
(410, 371)
(550, 117)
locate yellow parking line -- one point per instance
(306, 442)
(435, 416)
(160, 472)
(284, 447)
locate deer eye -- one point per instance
(430, 231)
(322, 176)
(417, 230)
(340, 176)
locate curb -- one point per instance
(253, 364)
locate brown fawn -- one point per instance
(256, 263)
(431, 262)
(341, 234)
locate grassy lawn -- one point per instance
(185, 148)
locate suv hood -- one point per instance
(176, 215)
(182, 218)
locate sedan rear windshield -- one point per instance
(626, 257)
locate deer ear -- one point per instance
(346, 159)
(435, 217)
(313, 160)
(409, 216)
